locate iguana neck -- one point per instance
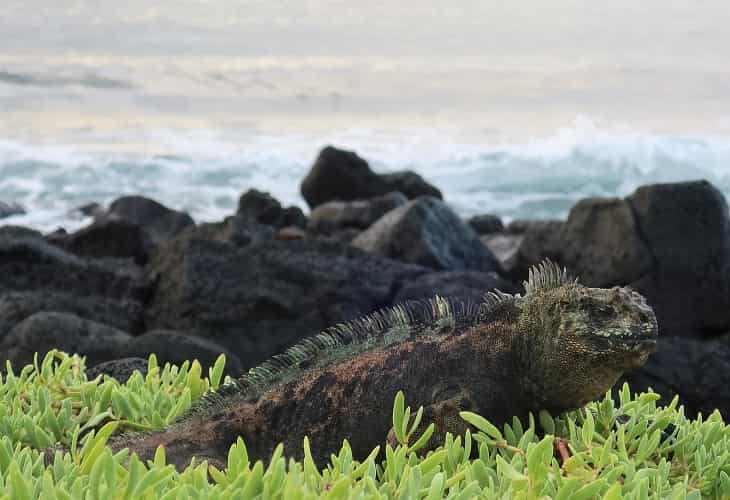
(550, 373)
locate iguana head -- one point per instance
(582, 339)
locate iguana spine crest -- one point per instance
(382, 327)
(547, 275)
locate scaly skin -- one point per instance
(556, 348)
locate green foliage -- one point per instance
(634, 451)
(53, 402)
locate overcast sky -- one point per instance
(623, 30)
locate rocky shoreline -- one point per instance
(144, 278)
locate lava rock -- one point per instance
(240, 231)
(520, 226)
(290, 233)
(425, 231)
(257, 299)
(334, 216)
(486, 224)
(670, 242)
(30, 263)
(261, 207)
(292, 216)
(177, 347)
(160, 222)
(123, 315)
(110, 238)
(696, 370)
(471, 285)
(410, 184)
(602, 243)
(12, 232)
(687, 229)
(118, 369)
(44, 331)
(540, 239)
(505, 247)
(342, 175)
(92, 209)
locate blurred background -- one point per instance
(517, 109)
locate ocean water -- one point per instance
(518, 110)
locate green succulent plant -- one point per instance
(609, 450)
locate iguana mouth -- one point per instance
(642, 343)
(636, 343)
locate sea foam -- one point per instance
(205, 171)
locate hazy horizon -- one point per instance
(512, 69)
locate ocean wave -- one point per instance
(204, 171)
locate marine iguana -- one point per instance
(557, 347)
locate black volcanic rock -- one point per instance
(261, 207)
(110, 238)
(342, 175)
(410, 184)
(160, 222)
(257, 299)
(465, 284)
(602, 243)
(92, 209)
(671, 242)
(11, 232)
(540, 239)
(176, 347)
(119, 369)
(240, 231)
(486, 223)
(125, 315)
(425, 231)
(687, 229)
(30, 263)
(44, 331)
(697, 370)
(335, 216)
